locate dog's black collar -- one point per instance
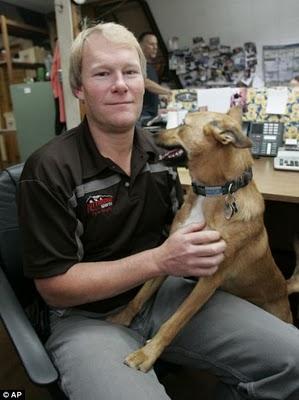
(227, 188)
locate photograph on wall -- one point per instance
(213, 64)
(183, 99)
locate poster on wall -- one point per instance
(212, 64)
(280, 64)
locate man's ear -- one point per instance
(79, 93)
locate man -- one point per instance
(94, 206)
(294, 81)
(149, 44)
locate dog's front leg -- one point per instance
(144, 358)
(126, 315)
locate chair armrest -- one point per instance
(32, 353)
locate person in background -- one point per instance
(149, 44)
(294, 81)
(56, 84)
(94, 207)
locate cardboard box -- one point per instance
(20, 43)
(32, 55)
(10, 121)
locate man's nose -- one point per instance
(120, 83)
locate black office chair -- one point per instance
(28, 330)
(18, 293)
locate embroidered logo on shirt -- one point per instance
(99, 204)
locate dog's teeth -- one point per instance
(171, 154)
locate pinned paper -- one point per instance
(215, 99)
(277, 99)
(175, 118)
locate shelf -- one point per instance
(25, 65)
(13, 70)
(19, 64)
(9, 28)
(19, 29)
(3, 131)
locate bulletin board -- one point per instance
(280, 64)
(256, 103)
(212, 64)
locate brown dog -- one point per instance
(226, 198)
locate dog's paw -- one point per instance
(139, 360)
(142, 359)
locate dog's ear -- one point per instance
(236, 113)
(226, 136)
(236, 138)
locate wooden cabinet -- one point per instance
(10, 67)
(13, 71)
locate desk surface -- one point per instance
(274, 184)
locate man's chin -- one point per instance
(123, 124)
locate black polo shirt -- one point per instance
(76, 205)
(150, 99)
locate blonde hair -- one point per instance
(115, 33)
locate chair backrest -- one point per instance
(10, 244)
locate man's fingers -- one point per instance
(204, 236)
(208, 266)
(208, 262)
(205, 272)
(211, 249)
(199, 226)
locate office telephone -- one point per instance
(267, 137)
(287, 159)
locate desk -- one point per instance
(274, 184)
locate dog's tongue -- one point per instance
(168, 155)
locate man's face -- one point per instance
(149, 45)
(112, 84)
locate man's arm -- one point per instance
(190, 251)
(154, 87)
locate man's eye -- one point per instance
(102, 73)
(131, 72)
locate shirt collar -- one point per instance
(94, 163)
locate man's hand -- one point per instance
(166, 96)
(191, 251)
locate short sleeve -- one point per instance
(49, 228)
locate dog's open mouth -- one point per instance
(174, 156)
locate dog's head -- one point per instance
(210, 144)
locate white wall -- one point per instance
(265, 22)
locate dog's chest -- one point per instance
(196, 213)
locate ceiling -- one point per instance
(42, 6)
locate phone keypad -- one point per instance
(266, 138)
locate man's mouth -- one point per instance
(120, 103)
